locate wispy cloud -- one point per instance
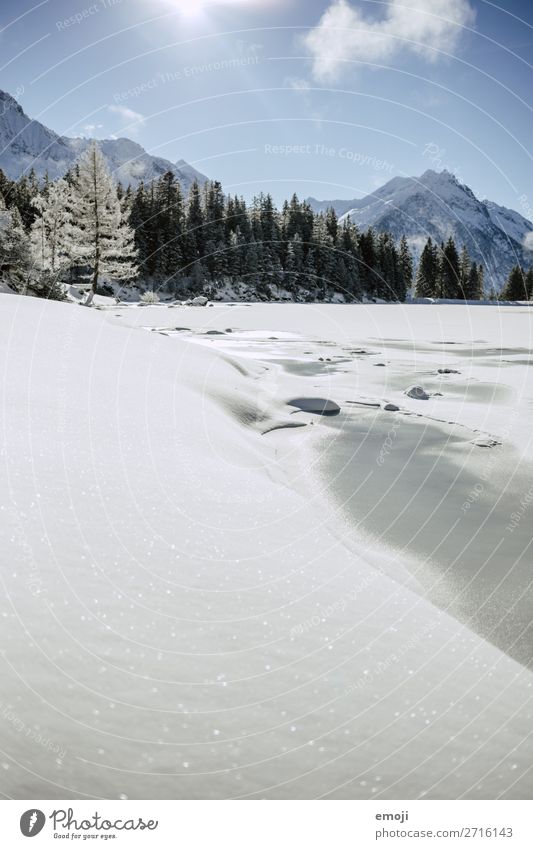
(423, 27)
(92, 128)
(297, 83)
(134, 120)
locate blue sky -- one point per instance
(329, 99)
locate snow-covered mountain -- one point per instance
(438, 205)
(26, 144)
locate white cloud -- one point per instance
(128, 115)
(91, 128)
(423, 27)
(528, 241)
(297, 83)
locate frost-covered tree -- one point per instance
(14, 249)
(51, 236)
(103, 240)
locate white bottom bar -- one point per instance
(268, 825)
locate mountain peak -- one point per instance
(10, 107)
(442, 177)
(437, 204)
(27, 144)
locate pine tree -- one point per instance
(15, 262)
(449, 272)
(102, 238)
(168, 221)
(294, 263)
(465, 274)
(194, 227)
(473, 289)
(427, 273)
(405, 267)
(332, 224)
(529, 283)
(367, 248)
(385, 287)
(348, 245)
(515, 288)
(24, 191)
(323, 252)
(6, 188)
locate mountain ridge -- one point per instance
(437, 204)
(26, 143)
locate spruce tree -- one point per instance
(515, 288)
(15, 260)
(464, 274)
(529, 283)
(405, 267)
(449, 272)
(473, 290)
(427, 272)
(168, 222)
(194, 228)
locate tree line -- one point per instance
(443, 272)
(85, 227)
(209, 239)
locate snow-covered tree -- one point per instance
(14, 249)
(102, 236)
(51, 237)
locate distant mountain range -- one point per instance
(26, 144)
(435, 204)
(438, 205)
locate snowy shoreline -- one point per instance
(185, 616)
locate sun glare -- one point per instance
(196, 9)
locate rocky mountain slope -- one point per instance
(26, 144)
(438, 205)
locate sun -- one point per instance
(196, 12)
(195, 9)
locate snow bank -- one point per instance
(182, 616)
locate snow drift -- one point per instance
(182, 617)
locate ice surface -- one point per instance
(191, 610)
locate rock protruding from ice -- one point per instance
(390, 407)
(417, 392)
(448, 371)
(486, 442)
(321, 406)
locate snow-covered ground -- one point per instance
(210, 591)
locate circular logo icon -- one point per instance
(32, 822)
